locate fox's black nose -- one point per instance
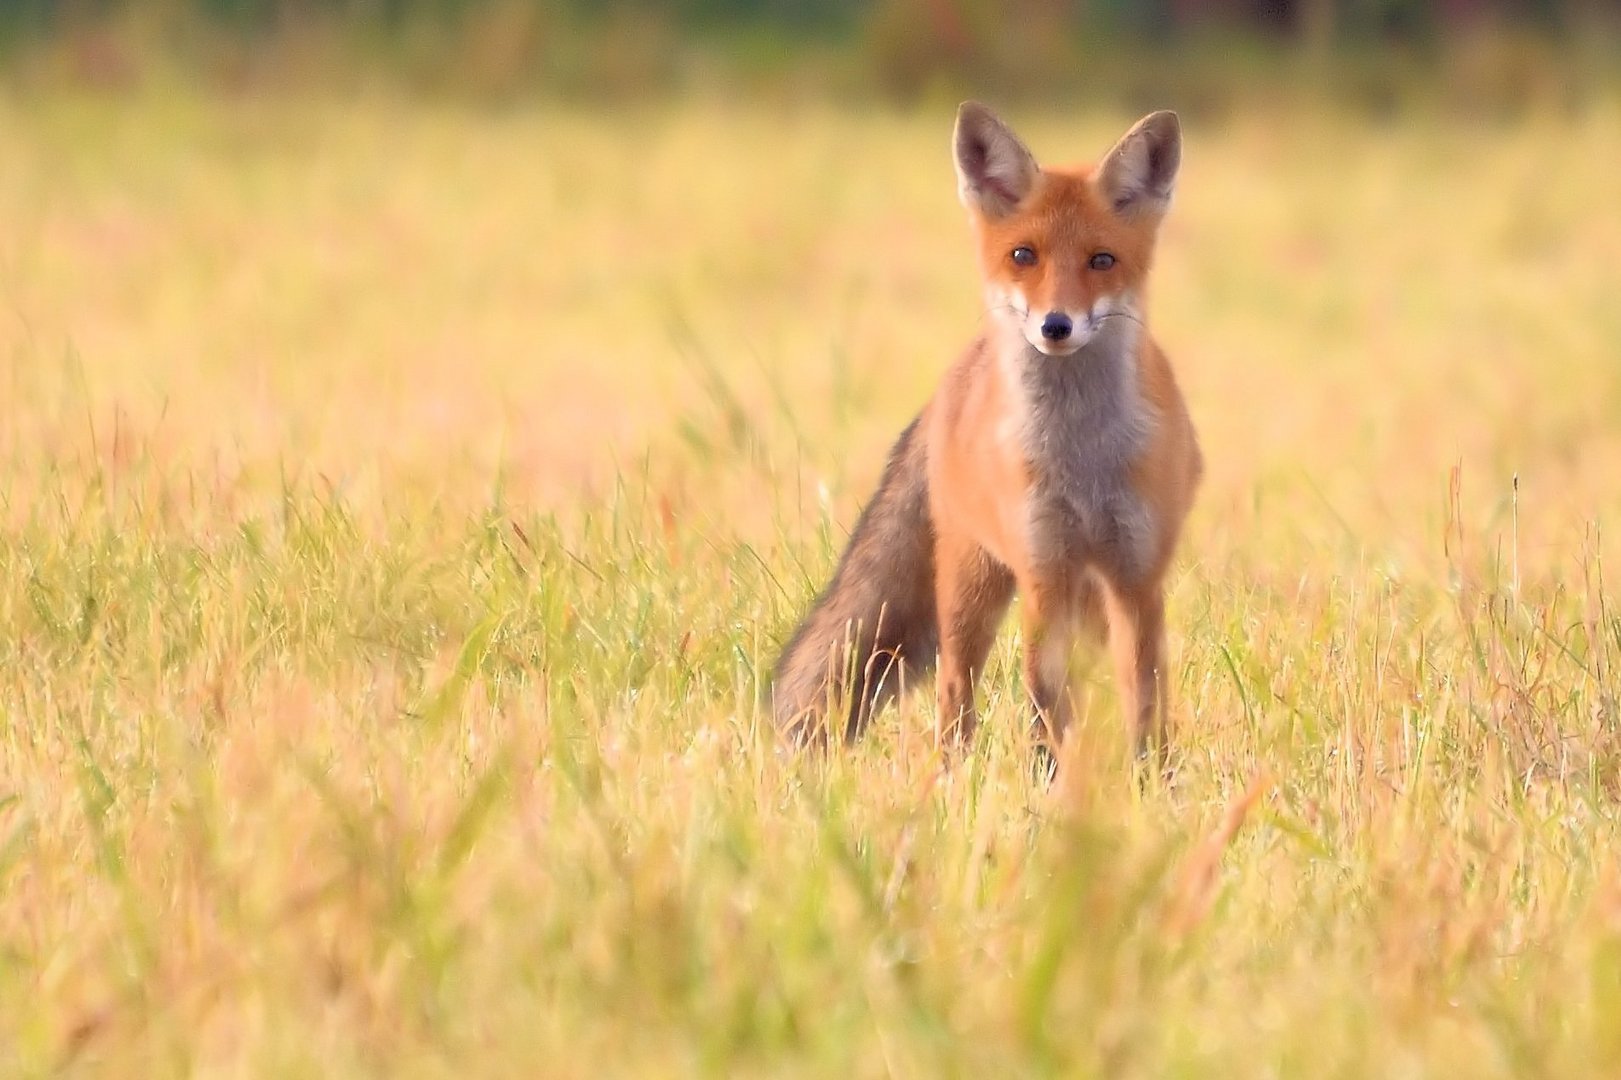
(1056, 326)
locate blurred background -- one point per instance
(1484, 54)
(227, 200)
(341, 236)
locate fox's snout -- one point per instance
(1060, 331)
(1057, 326)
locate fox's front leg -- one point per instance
(972, 594)
(1049, 642)
(1137, 639)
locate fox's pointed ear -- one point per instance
(1140, 172)
(994, 170)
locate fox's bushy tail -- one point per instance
(874, 628)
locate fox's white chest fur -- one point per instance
(1085, 423)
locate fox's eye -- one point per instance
(1102, 261)
(1024, 256)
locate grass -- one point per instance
(400, 507)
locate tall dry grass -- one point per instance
(400, 506)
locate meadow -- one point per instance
(401, 505)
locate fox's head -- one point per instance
(1065, 253)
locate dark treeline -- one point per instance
(1365, 52)
(1353, 19)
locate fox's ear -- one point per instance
(994, 170)
(1140, 172)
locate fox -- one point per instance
(1056, 460)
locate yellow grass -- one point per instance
(400, 507)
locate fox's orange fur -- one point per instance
(1057, 459)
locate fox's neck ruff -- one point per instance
(1084, 414)
(1085, 423)
(1090, 386)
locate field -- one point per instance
(401, 504)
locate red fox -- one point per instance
(1057, 459)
